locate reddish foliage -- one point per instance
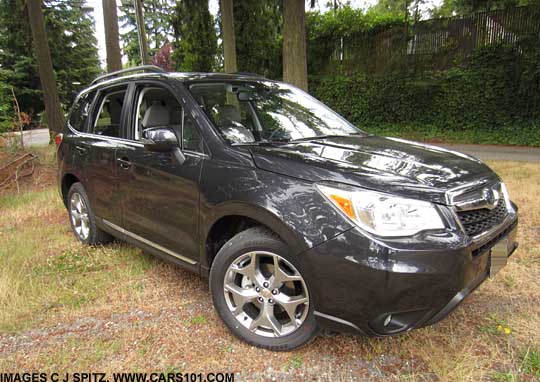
(163, 58)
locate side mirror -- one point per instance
(159, 139)
(162, 140)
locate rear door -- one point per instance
(160, 196)
(96, 151)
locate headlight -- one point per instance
(383, 214)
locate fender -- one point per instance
(254, 212)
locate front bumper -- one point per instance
(365, 285)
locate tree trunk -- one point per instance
(141, 31)
(112, 40)
(229, 41)
(53, 111)
(294, 43)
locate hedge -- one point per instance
(497, 95)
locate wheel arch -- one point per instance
(68, 180)
(236, 217)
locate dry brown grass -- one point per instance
(67, 307)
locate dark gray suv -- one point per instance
(300, 220)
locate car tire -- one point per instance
(268, 317)
(82, 219)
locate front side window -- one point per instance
(107, 121)
(251, 112)
(157, 107)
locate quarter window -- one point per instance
(79, 113)
(191, 138)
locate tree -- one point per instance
(195, 43)
(55, 118)
(391, 7)
(16, 58)
(294, 43)
(466, 7)
(257, 26)
(73, 48)
(112, 43)
(158, 16)
(229, 41)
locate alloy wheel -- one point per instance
(266, 294)
(79, 216)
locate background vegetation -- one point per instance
(490, 96)
(74, 53)
(493, 99)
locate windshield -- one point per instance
(254, 112)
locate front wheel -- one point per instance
(260, 293)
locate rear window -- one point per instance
(79, 113)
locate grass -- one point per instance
(66, 307)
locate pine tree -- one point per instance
(70, 30)
(55, 117)
(112, 38)
(294, 44)
(228, 36)
(257, 26)
(158, 16)
(195, 43)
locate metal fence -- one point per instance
(431, 44)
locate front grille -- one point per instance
(482, 220)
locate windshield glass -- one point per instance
(253, 112)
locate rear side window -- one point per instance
(79, 113)
(107, 122)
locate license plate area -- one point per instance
(500, 251)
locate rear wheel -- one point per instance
(82, 219)
(260, 293)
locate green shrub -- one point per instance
(496, 96)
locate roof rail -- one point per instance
(248, 74)
(143, 68)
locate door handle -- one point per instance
(81, 150)
(124, 163)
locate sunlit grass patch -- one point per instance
(42, 267)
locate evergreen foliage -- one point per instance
(70, 29)
(257, 27)
(195, 43)
(497, 95)
(158, 16)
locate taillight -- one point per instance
(58, 139)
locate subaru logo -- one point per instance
(491, 197)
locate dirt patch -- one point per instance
(24, 171)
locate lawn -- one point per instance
(67, 307)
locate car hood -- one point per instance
(391, 165)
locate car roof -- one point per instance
(181, 76)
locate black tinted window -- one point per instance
(191, 139)
(108, 115)
(79, 113)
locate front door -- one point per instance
(160, 196)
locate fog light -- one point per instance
(387, 320)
